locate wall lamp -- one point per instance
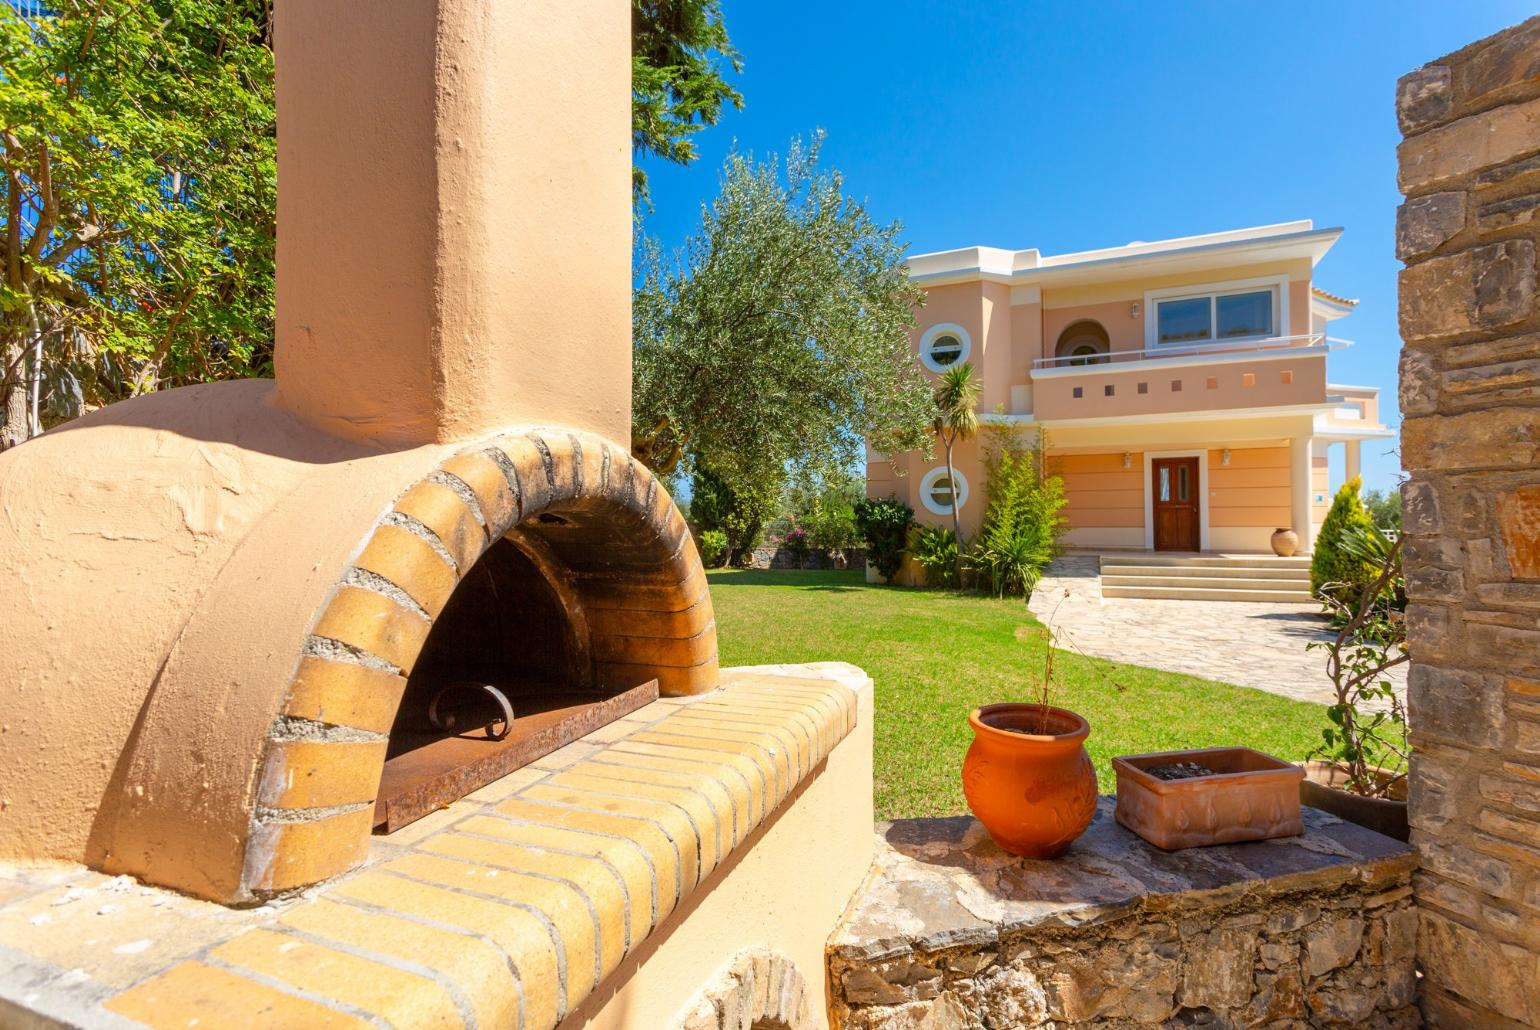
(1224, 456)
(1128, 460)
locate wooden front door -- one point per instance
(1175, 489)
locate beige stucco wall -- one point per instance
(1102, 494)
(454, 190)
(1108, 302)
(1124, 331)
(1256, 381)
(161, 566)
(783, 890)
(1252, 491)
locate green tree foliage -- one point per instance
(884, 527)
(139, 146)
(1332, 561)
(139, 149)
(825, 508)
(1025, 514)
(778, 339)
(1384, 507)
(713, 548)
(739, 514)
(679, 52)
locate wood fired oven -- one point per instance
(247, 624)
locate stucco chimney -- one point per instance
(453, 216)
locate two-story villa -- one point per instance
(1181, 385)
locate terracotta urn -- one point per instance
(1285, 542)
(1028, 778)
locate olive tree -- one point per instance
(777, 340)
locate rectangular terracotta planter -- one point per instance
(1251, 796)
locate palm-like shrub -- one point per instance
(934, 548)
(956, 397)
(1334, 564)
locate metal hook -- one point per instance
(496, 695)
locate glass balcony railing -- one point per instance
(1188, 350)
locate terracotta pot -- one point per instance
(1250, 796)
(1285, 542)
(1035, 791)
(1321, 789)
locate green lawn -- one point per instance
(935, 656)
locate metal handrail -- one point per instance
(1176, 350)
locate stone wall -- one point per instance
(777, 557)
(949, 932)
(1470, 441)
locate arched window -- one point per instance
(939, 493)
(943, 346)
(1083, 343)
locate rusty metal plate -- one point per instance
(424, 779)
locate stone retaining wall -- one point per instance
(1470, 394)
(817, 558)
(951, 932)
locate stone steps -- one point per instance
(1206, 577)
(1207, 594)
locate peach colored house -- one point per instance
(1181, 385)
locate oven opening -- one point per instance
(505, 677)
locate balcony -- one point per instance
(1275, 373)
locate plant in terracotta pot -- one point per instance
(1027, 776)
(1359, 771)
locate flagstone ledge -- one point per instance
(950, 931)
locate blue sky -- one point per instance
(1072, 126)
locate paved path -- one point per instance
(1254, 644)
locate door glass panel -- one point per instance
(1181, 483)
(1165, 483)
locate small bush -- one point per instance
(1024, 519)
(935, 549)
(884, 527)
(713, 548)
(1334, 563)
(741, 516)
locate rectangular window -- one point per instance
(1216, 317)
(1244, 314)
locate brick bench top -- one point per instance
(942, 883)
(505, 909)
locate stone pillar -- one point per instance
(1470, 442)
(1351, 458)
(1300, 482)
(454, 185)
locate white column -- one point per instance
(1299, 491)
(1351, 457)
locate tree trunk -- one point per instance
(14, 428)
(951, 477)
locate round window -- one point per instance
(945, 350)
(940, 493)
(943, 346)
